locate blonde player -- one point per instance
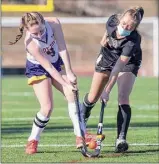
(119, 60)
(48, 63)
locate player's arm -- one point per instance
(104, 40)
(59, 36)
(35, 51)
(121, 62)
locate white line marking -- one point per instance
(18, 94)
(135, 107)
(63, 118)
(71, 145)
(28, 109)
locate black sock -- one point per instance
(86, 107)
(123, 120)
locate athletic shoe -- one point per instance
(89, 137)
(121, 146)
(31, 147)
(79, 142)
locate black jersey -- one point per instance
(128, 46)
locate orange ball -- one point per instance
(92, 144)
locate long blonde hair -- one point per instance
(28, 19)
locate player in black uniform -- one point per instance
(119, 60)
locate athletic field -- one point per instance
(57, 143)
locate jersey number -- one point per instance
(50, 51)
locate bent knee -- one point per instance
(47, 109)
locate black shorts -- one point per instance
(103, 65)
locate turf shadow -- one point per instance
(105, 154)
(25, 127)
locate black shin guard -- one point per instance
(86, 107)
(123, 120)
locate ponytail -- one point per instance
(140, 10)
(28, 19)
(19, 36)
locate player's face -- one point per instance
(36, 30)
(127, 23)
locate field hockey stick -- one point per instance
(100, 130)
(83, 149)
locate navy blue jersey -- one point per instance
(128, 46)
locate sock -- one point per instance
(39, 124)
(74, 118)
(87, 107)
(123, 120)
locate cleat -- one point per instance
(89, 137)
(31, 147)
(79, 142)
(121, 146)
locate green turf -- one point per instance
(19, 102)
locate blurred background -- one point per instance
(83, 23)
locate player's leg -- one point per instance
(89, 136)
(41, 83)
(43, 92)
(98, 84)
(71, 108)
(100, 78)
(125, 84)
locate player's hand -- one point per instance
(72, 77)
(105, 96)
(72, 87)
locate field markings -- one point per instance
(28, 94)
(72, 145)
(25, 94)
(64, 118)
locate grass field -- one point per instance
(57, 143)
